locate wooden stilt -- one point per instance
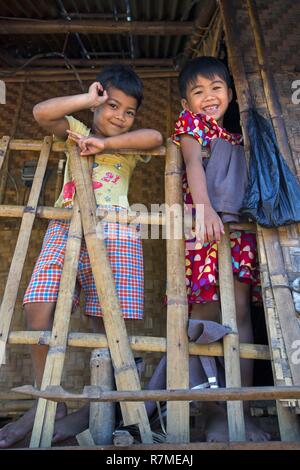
(45, 414)
(102, 415)
(177, 310)
(235, 413)
(126, 375)
(17, 264)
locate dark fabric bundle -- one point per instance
(273, 194)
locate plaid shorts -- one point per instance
(124, 248)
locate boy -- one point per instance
(114, 100)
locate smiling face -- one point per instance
(115, 116)
(208, 96)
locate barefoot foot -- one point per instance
(71, 425)
(17, 430)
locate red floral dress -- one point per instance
(202, 261)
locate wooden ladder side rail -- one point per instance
(287, 420)
(4, 144)
(177, 307)
(45, 415)
(124, 366)
(17, 264)
(235, 411)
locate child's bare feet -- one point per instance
(217, 429)
(17, 430)
(71, 425)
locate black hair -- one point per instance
(208, 67)
(123, 78)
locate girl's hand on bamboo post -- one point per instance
(87, 145)
(213, 226)
(96, 95)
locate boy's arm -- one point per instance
(142, 139)
(198, 187)
(51, 114)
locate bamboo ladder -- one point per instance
(124, 366)
(176, 343)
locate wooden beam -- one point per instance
(92, 393)
(94, 62)
(140, 28)
(137, 343)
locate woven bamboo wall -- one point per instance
(147, 187)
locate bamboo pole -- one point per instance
(110, 215)
(36, 146)
(95, 394)
(17, 264)
(269, 85)
(126, 375)
(4, 154)
(59, 178)
(245, 102)
(57, 62)
(235, 412)
(45, 415)
(48, 72)
(140, 28)
(177, 308)
(71, 77)
(137, 343)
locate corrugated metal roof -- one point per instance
(109, 46)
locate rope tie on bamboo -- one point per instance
(122, 369)
(30, 209)
(171, 173)
(57, 349)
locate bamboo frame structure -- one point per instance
(177, 308)
(268, 240)
(235, 412)
(45, 415)
(17, 264)
(126, 375)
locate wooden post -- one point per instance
(126, 375)
(17, 264)
(45, 415)
(235, 412)
(177, 309)
(102, 415)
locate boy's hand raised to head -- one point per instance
(87, 145)
(96, 95)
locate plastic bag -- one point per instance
(273, 194)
